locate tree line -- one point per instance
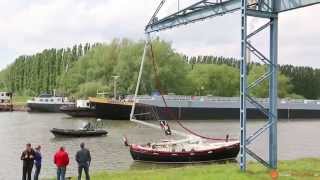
(33, 74)
(83, 70)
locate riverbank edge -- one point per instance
(307, 168)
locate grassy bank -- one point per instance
(20, 100)
(303, 169)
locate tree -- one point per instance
(216, 80)
(262, 89)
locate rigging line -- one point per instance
(167, 109)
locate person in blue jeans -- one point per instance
(37, 162)
(61, 159)
(83, 159)
(61, 173)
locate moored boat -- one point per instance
(6, 101)
(209, 107)
(185, 151)
(82, 108)
(47, 103)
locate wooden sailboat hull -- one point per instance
(223, 153)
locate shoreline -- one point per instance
(14, 107)
(20, 108)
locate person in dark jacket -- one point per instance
(37, 162)
(61, 159)
(83, 159)
(27, 157)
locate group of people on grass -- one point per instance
(33, 158)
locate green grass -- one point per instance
(20, 100)
(303, 169)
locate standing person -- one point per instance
(61, 159)
(83, 159)
(37, 162)
(27, 157)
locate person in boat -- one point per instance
(83, 159)
(37, 162)
(148, 144)
(89, 126)
(125, 141)
(61, 160)
(165, 126)
(27, 157)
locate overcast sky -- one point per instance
(29, 26)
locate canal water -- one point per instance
(297, 139)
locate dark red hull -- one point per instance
(223, 153)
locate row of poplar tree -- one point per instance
(40, 72)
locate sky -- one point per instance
(30, 26)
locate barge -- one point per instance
(198, 108)
(208, 107)
(47, 103)
(6, 101)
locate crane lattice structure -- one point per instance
(265, 9)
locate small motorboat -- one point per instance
(78, 132)
(185, 151)
(89, 130)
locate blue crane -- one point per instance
(266, 9)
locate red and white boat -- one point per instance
(185, 151)
(193, 149)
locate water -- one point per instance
(297, 139)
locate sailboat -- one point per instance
(193, 148)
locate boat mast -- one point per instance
(139, 76)
(115, 78)
(132, 119)
(153, 18)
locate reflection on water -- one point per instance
(296, 139)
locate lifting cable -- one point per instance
(167, 109)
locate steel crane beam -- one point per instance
(208, 9)
(198, 11)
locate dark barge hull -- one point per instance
(119, 111)
(224, 153)
(144, 111)
(35, 107)
(230, 113)
(112, 111)
(122, 112)
(78, 112)
(78, 133)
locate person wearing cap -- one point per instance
(61, 160)
(83, 159)
(37, 162)
(27, 157)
